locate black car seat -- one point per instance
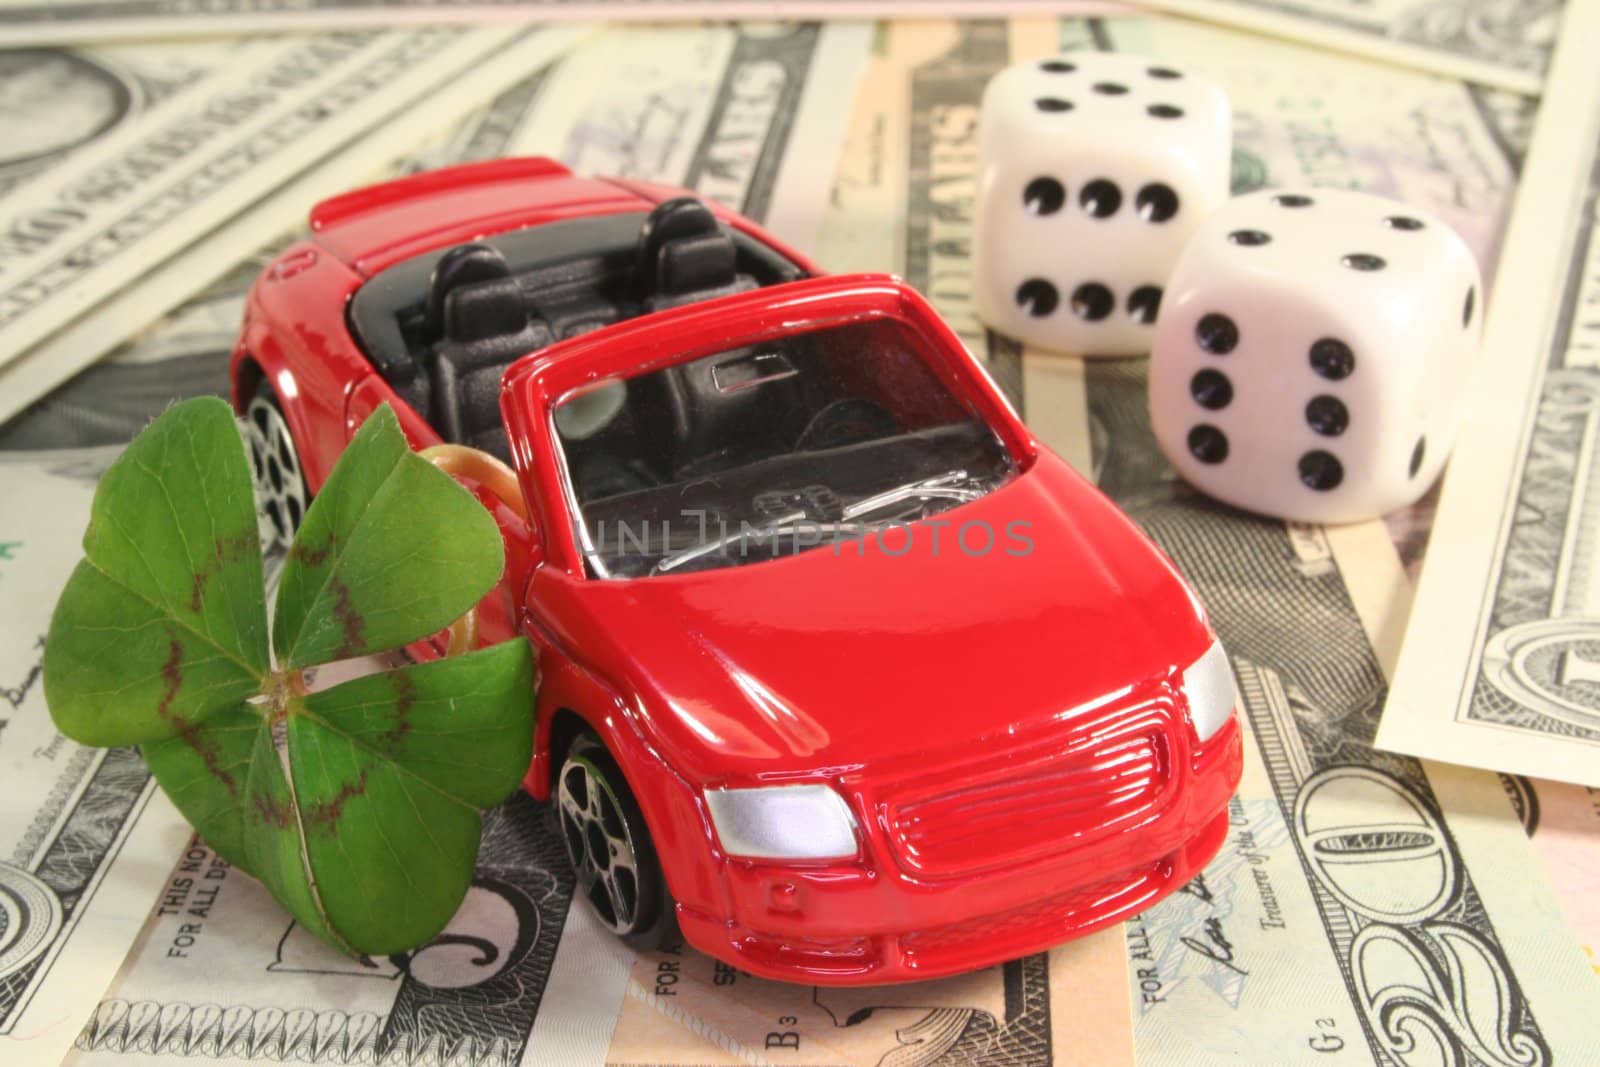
(685, 256)
(694, 425)
(462, 265)
(482, 321)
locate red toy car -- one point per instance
(843, 673)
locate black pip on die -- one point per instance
(1094, 169)
(1312, 354)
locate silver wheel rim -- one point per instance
(280, 483)
(599, 844)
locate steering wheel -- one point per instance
(846, 421)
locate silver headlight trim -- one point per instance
(783, 822)
(1209, 688)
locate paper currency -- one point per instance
(185, 354)
(83, 838)
(1503, 43)
(59, 21)
(443, 1004)
(1309, 117)
(750, 116)
(123, 204)
(1499, 667)
(1067, 1006)
(1511, 115)
(1564, 822)
(54, 102)
(98, 246)
(220, 972)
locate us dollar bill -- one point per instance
(1563, 820)
(83, 836)
(1502, 43)
(127, 227)
(59, 21)
(58, 101)
(1499, 666)
(750, 116)
(221, 973)
(1065, 1006)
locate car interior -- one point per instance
(815, 421)
(442, 327)
(802, 428)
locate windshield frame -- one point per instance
(535, 385)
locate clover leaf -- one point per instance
(358, 806)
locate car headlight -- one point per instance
(783, 822)
(1208, 685)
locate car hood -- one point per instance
(832, 660)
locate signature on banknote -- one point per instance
(1212, 942)
(14, 695)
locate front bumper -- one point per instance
(881, 919)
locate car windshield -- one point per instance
(768, 450)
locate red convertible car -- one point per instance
(843, 674)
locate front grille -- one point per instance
(1046, 921)
(1050, 797)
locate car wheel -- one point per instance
(281, 493)
(610, 849)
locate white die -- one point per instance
(1312, 351)
(1093, 170)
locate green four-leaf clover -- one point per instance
(358, 806)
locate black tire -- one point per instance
(282, 495)
(600, 828)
